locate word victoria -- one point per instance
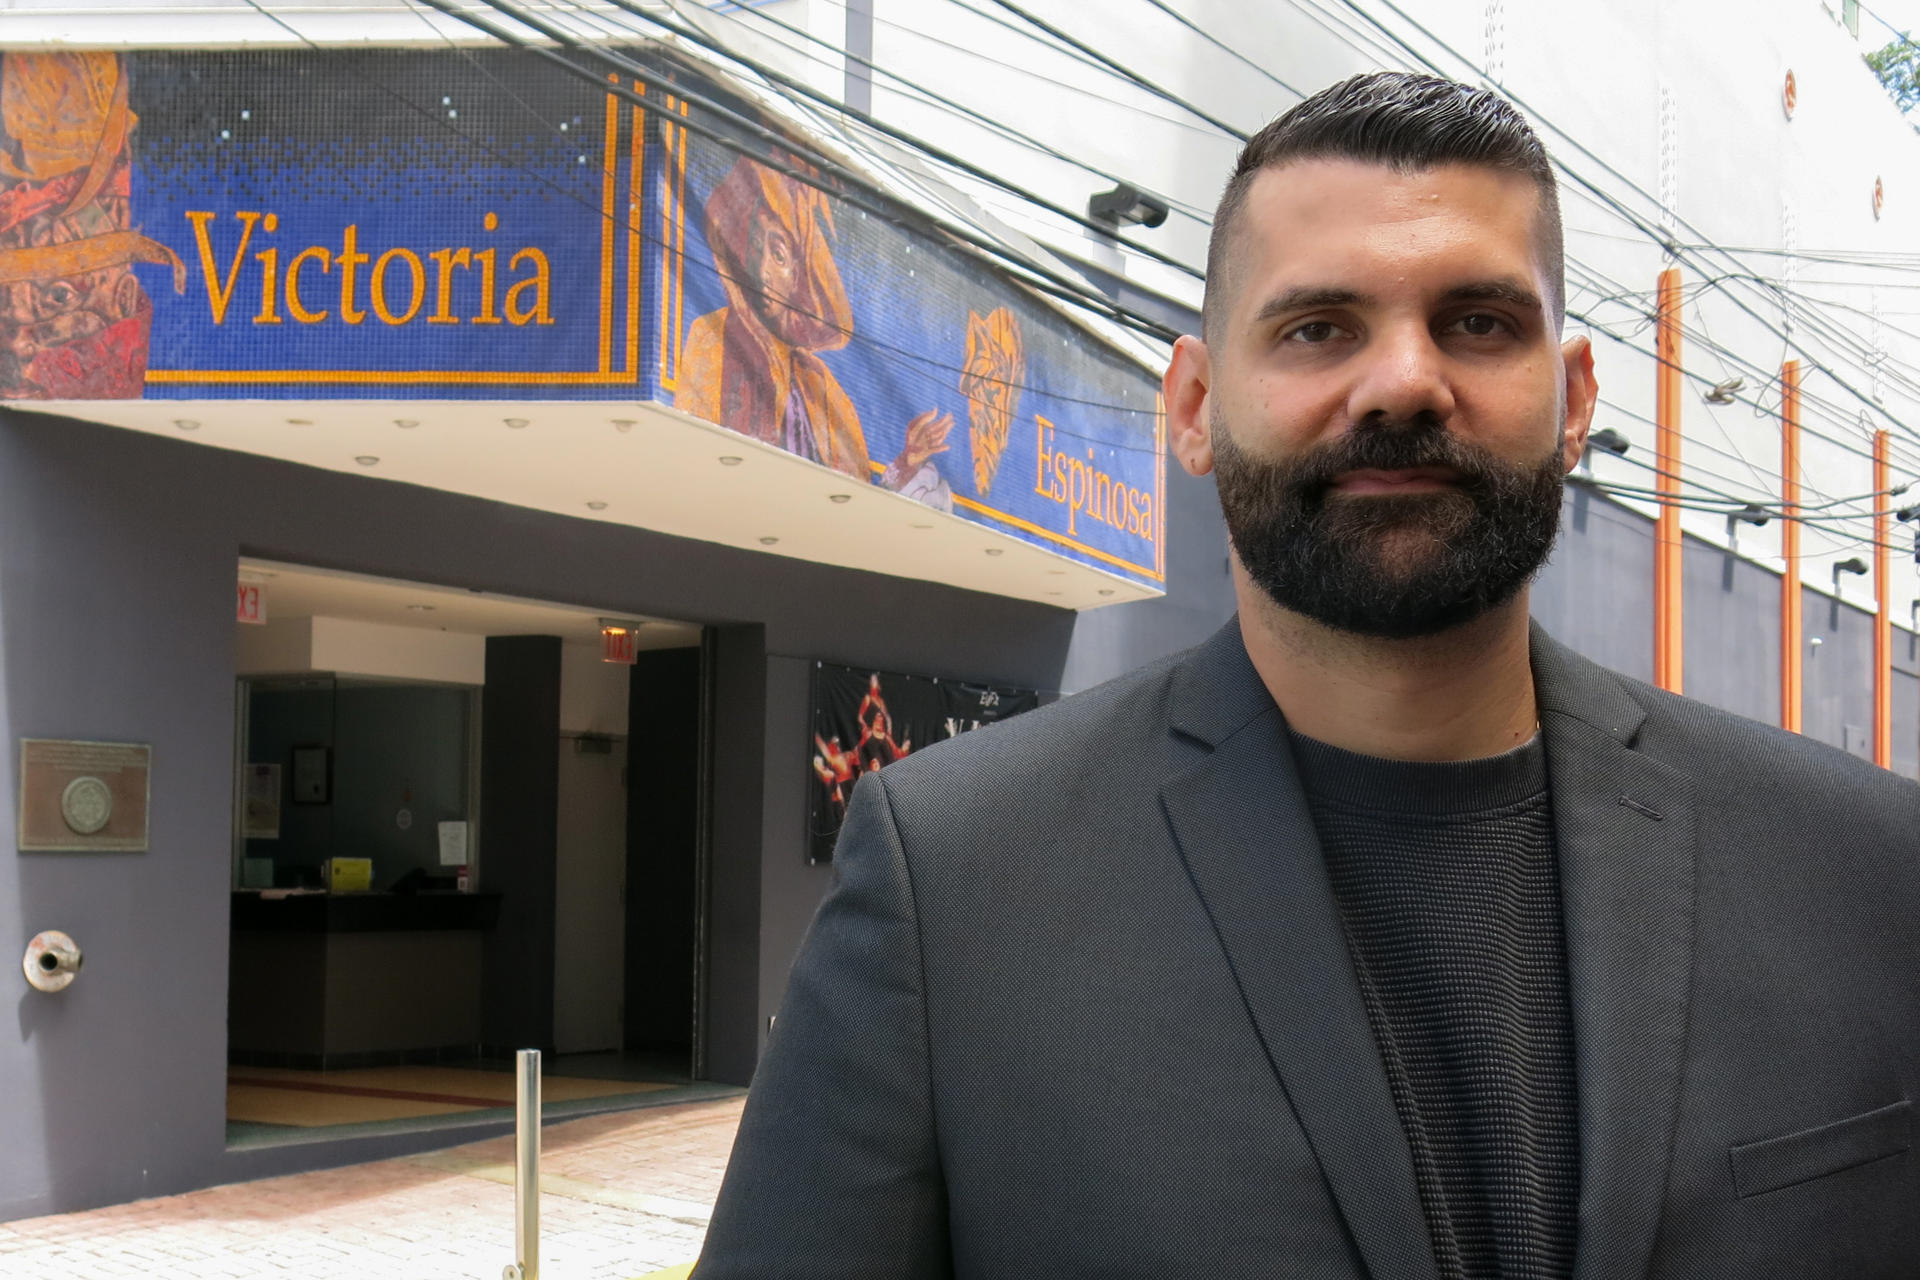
(398, 284)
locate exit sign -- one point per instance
(617, 644)
(253, 603)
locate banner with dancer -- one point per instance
(864, 720)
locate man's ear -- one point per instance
(1583, 394)
(1185, 387)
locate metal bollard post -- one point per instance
(526, 1168)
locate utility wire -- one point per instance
(1132, 77)
(889, 207)
(915, 91)
(1031, 74)
(1653, 232)
(1591, 190)
(909, 361)
(1221, 45)
(792, 86)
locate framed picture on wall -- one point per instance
(864, 720)
(262, 814)
(312, 775)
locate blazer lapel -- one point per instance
(1244, 831)
(1624, 827)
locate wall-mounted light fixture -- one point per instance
(1752, 514)
(1127, 205)
(1605, 438)
(1853, 565)
(1611, 440)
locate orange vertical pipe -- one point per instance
(1791, 643)
(1883, 614)
(1666, 533)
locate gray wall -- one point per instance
(1595, 593)
(117, 561)
(1837, 705)
(1199, 593)
(1731, 632)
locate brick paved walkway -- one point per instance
(624, 1195)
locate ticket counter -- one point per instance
(326, 981)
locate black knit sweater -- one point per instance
(1448, 891)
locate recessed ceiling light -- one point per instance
(186, 424)
(406, 423)
(515, 423)
(839, 497)
(422, 608)
(996, 551)
(768, 541)
(730, 460)
(596, 505)
(366, 459)
(299, 422)
(619, 424)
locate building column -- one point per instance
(1883, 606)
(1667, 537)
(1792, 644)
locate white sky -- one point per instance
(1876, 16)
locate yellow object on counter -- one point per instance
(348, 875)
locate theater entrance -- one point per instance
(463, 825)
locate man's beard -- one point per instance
(1389, 565)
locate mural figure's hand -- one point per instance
(926, 436)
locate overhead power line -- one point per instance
(1222, 45)
(916, 91)
(1130, 76)
(909, 361)
(854, 188)
(1654, 233)
(792, 86)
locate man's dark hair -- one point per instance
(1406, 122)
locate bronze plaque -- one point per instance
(83, 797)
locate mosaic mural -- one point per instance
(478, 224)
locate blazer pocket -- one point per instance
(1760, 1167)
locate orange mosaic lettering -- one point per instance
(465, 284)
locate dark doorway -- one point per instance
(666, 740)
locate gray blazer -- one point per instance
(1079, 1005)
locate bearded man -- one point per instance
(1381, 935)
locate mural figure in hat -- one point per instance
(74, 321)
(754, 365)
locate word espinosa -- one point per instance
(397, 288)
(1081, 486)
